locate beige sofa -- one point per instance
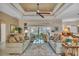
(55, 42)
(16, 43)
(17, 47)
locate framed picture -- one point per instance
(12, 27)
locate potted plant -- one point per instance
(18, 29)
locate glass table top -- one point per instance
(38, 41)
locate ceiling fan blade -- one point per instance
(44, 13)
(40, 15)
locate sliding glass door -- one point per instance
(40, 34)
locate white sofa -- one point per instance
(17, 47)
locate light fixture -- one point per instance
(26, 31)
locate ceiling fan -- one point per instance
(40, 13)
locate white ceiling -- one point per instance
(10, 10)
(66, 13)
(71, 13)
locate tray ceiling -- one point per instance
(48, 7)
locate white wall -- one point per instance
(10, 10)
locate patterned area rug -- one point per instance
(39, 50)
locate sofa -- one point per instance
(16, 43)
(55, 42)
(17, 48)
